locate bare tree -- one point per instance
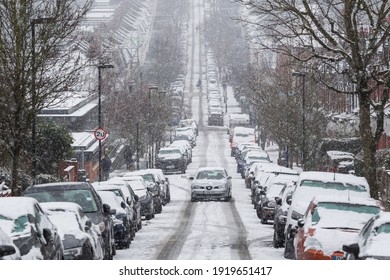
(347, 37)
(24, 89)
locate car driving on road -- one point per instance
(211, 183)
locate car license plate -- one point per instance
(170, 166)
(338, 258)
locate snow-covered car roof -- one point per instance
(211, 168)
(14, 207)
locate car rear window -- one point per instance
(344, 207)
(333, 186)
(385, 228)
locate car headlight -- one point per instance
(312, 243)
(296, 216)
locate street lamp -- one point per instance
(33, 22)
(303, 75)
(100, 67)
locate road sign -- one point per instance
(100, 134)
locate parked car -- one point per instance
(80, 238)
(266, 206)
(153, 186)
(190, 122)
(211, 183)
(241, 134)
(187, 131)
(30, 229)
(164, 185)
(280, 216)
(187, 147)
(140, 188)
(171, 159)
(252, 156)
(123, 190)
(310, 184)
(8, 250)
(85, 195)
(372, 242)
(124, 230)
(270, 193)
(328, 223)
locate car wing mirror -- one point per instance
(112, 211)
(352, 249)
(88, 225)
(6, 250)
(191, 178)
(229, 178)
(278, 201)
(301, 223)
(123, 205)
(106, 208)
(136, 198)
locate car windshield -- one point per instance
(333, 185)
(82, 197)
(148, 178)
(384, 228)
(14, 226)
(169, 152)
(345, 215)
(210, 174)
(252, 158)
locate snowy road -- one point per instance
(204, 230)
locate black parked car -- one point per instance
(85, 195)
(30, 229)
(152, 184)
(138, 185)
(171, 160)
(123, 224)
(280, 217)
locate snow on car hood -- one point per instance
(209, 182)
(331, 240)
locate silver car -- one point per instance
(211, 183)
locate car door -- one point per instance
(51, 246)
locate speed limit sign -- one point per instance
(100, 134)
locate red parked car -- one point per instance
(329, 223)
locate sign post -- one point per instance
(100, 134)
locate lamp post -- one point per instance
(33, 22)
(100, 67)
(303, 75)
